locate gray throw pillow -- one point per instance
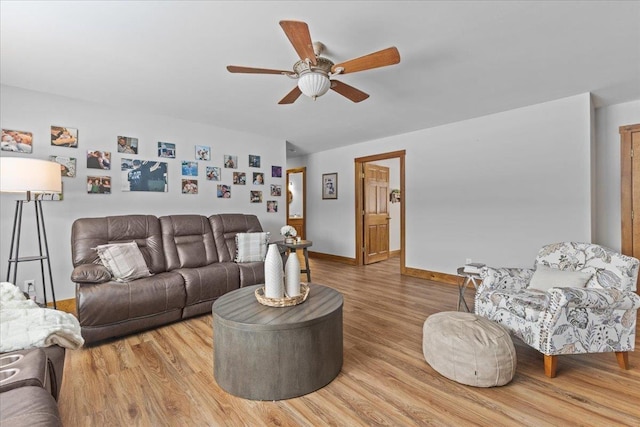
(124, 261)
(251, 247)
(545, 278)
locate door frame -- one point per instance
(302, 170)
(359, 207)
(626, 206)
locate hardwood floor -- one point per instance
(164, 377)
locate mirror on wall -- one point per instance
(296, 200)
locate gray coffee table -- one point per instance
(275, 353)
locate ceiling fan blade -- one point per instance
(251, 70)
(347, 91)
(378, 59)
(300, 38)
(291, 97)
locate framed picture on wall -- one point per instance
(330, 185)
(213, 173)
(143, 175)
(166, 149)
(64, 137)
(189, 168)
(203, 152)
(67, 165)
(127, 145)
(17, 141)
(98, 160)
(254, 161)
(189, 186)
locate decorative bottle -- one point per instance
(292, 275)
(273, 284)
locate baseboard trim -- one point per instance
(450, 279)
(394, 253)
(66, 305)
(329, 257)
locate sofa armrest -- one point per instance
(90, 273)
(504, 278)
(598, 299)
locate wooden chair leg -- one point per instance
(550, 365)
(623, 359)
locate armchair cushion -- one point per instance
(597, 299)
(525, 304)
(546, 278)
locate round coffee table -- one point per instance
(275, 353)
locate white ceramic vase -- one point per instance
(292, 275)
(273, 284)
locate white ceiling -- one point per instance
(459, 60)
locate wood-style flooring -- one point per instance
(164, 377)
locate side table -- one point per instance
(464, 279)
(302, 244)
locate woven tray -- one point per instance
(283, 302)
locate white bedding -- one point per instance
(24, 325)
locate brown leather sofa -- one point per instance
(191, 258)
(28, 398)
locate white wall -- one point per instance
(98, 128)
(608, 121)
(493, 189)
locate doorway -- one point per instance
(297, 200)
(363, 203)
(630, 186)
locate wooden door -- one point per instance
(630, 180)
(376, 213)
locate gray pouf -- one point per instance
(469, 349)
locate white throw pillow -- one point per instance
(251, 247)
(545, 278)
(124, 261)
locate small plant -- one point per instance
(288, 231)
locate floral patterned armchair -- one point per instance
(601, 317)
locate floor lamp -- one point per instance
(21, 175)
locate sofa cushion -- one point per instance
(209, 282)
(187, 241)
(545, 278)
(87, 233)
(29, 406)
(113, 303)
(251, 273)
(251, 247)
(226, 226)
(124, 261)
(90, 273)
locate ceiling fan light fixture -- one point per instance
(314, 84)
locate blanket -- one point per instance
(24, 325)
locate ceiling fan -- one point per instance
(315, 73)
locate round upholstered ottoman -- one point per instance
(469, 349)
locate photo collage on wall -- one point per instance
(149, 175)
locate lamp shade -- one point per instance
(314, 84)
(20, 175)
